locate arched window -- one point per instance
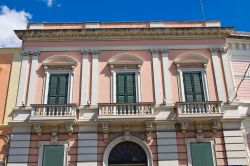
(127, 153)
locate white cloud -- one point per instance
(11, 20)
(49, 3)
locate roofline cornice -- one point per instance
(123, 33)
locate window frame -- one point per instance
(46, 84)
(41, 145)
(137, 82)
(188, 142)
(181, 82)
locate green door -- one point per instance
(125, 88)
(193, 87)
(201, 154)
(53, 155)
(58, 89)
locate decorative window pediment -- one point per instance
(125, 60)
(191, 58)
(59, 60)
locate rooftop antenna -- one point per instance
(202, 9)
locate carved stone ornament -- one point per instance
(126, 135)
(214, 50)
(224, 49)
(69, 128)
(37, 128)
(215, 125)
(54, 137)
(199, 126)
(105, 129)
(184, 126)
(200, 137)
(149, 127)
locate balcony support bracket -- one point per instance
(127, 135)
(69, 128)
(184, 125)
(215, 125)
(105, 129)
(37, 128)
(149, 127)
(54, 136)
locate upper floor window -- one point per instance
(125, 81)
(58, 88)
(125, 88)
(193, 86)
(192, 77)
(58, 80)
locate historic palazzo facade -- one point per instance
(126, 94)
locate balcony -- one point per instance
(57, 113)
(203, 110)
(142, 110)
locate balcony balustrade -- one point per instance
(144, 108)
(50, 111)
(199, 109)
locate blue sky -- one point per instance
(229, 12)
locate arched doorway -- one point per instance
(127, 154)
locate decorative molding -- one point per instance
(69, 128)
(54, 136)
(149, 127)
(95, 72)
(200, 137)
(37, 128)
(105, 129)
(218, 75)
(156, 77)
(123, 33)
(184, 125)
(127, 47)
(126, 135)
(84, 78)
(166, 76)
(215, 125)
(22, 79)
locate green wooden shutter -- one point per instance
(125, 88)
(201, 154)
(58, 89)
(53, 155)
(193, 86)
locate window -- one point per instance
(193, 86)
(55, 155)
(125, 88)
(58, 89)
(200, 153)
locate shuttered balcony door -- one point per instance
(193, 86)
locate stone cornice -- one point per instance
(123, 33)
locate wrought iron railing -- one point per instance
(143, 108)
(203, 107)
(53, 110)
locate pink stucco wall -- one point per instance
(239, 68)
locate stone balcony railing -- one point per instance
(203, 109)
(41, 112)
(126, 110)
